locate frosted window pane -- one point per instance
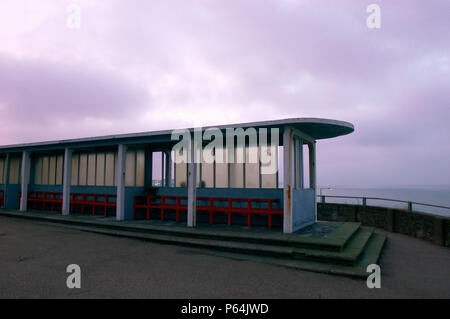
(109, 172)
(100, 170)
(140, 168)
(75, 164)
(59, 169)
(130, 168)
(38, 170)
(52, 170)
(208, 174)
(91, 169)
(45, 163)
(82, 179)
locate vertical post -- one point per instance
(312, 165)
(24, 180)
(192, 187)
(313, 170)
(121, 159)
(6, 177)
(162, 169)
(289, 178)
(67, 181)
(148, 168)
(168, 168)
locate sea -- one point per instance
(434, 195)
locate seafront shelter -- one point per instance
(141, 176)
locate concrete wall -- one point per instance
(428, 227)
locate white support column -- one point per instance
(312, 165)
(163, 182)
(120, 174)
(289, 177)
(6, 178)
(24, 180)
(192, 188)
(313, 171)
(301, 168)
(67, 181)
(168, 168)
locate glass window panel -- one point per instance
(52, 170)
(140, 168)
(130, 171)
(59, 169)
(82, 174)
(100, 171)
(109, 169)
(45, 165)
(156, 169)
(91, 169)
(75, 167)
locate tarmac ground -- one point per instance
(34, 257)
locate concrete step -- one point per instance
(348, 255)
(346, 250)
(335, 240)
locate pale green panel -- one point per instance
(59, 169)
(181, 175)
(251, 168)
(38, 170)
(100, 170)
(91, 169)
(52, 170)
(208, 174)
(2, 164)
(130, 169)
(237, 175)
(270, 180)
(82, 180)
(116, 158)
(109, 169)
(45, 165)
(75, 166)
(140, 168)
(198, 175)
(222, 172)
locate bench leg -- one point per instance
(210, 218)
(249, 220)
(270, 221)
(229, 219)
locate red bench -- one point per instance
(2, 198)
(52, 198)
(42, 198)
(92, 200)
(145, 202)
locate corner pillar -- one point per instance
(24, 180)
(120, 200)
(67, 181)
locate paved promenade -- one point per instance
(34, 256)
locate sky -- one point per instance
(73, 69)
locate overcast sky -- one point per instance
(148, 65)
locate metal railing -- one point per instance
(364, 201)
